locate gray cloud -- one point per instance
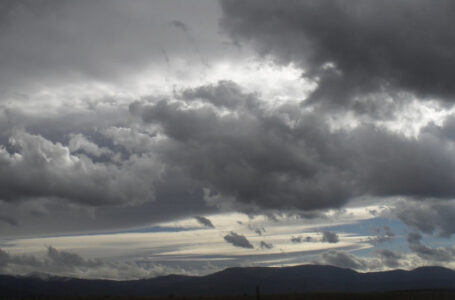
(48, 42)
(39, 168)
(54, 262)
(9, 220)
(63, 259)
(215, 146)
(287, 157)
(300, 239)
(343, 259)
(389, 258)
(355, 52)
(225, 94)
(296, 239)
(265, 245)
(179, 24)
(259, 230)
(78, 142)
(238, 240)
(383, 259)
(64, 263)
(4, 258)
(441, 254)
(248, 154)
(382, 235)
(245, 154)
(428, 217)
(329, 237)
(204, 221)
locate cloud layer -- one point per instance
(348, 48)
(115, 118)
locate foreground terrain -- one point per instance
(299, 282)
(410, 295)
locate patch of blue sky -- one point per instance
(369, 227)
(373, 227)
(160, 229)
(438, 241)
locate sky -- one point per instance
(145, 138)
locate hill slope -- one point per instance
(306, 278)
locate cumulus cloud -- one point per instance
(329, 237)
(36, 167)
(383, 259)
(238, 240)
(63, 259)
(289, 158)
(247, 154)
(344, 259)
(204, 221)
(386, 259)
(64, 263)
(356, 52)
(132, 140)
(79, 142)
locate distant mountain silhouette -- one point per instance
(298, 279)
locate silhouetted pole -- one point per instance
(258, 294)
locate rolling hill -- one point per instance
(298, 279)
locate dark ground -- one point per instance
(439, 295)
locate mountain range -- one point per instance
(231, 281)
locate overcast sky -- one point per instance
(144, 138)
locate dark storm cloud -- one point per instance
(354, 47)
(249, 154)
(329, 237)
(230, 143)
(238, 240)
(204, 221)
(287, 157)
